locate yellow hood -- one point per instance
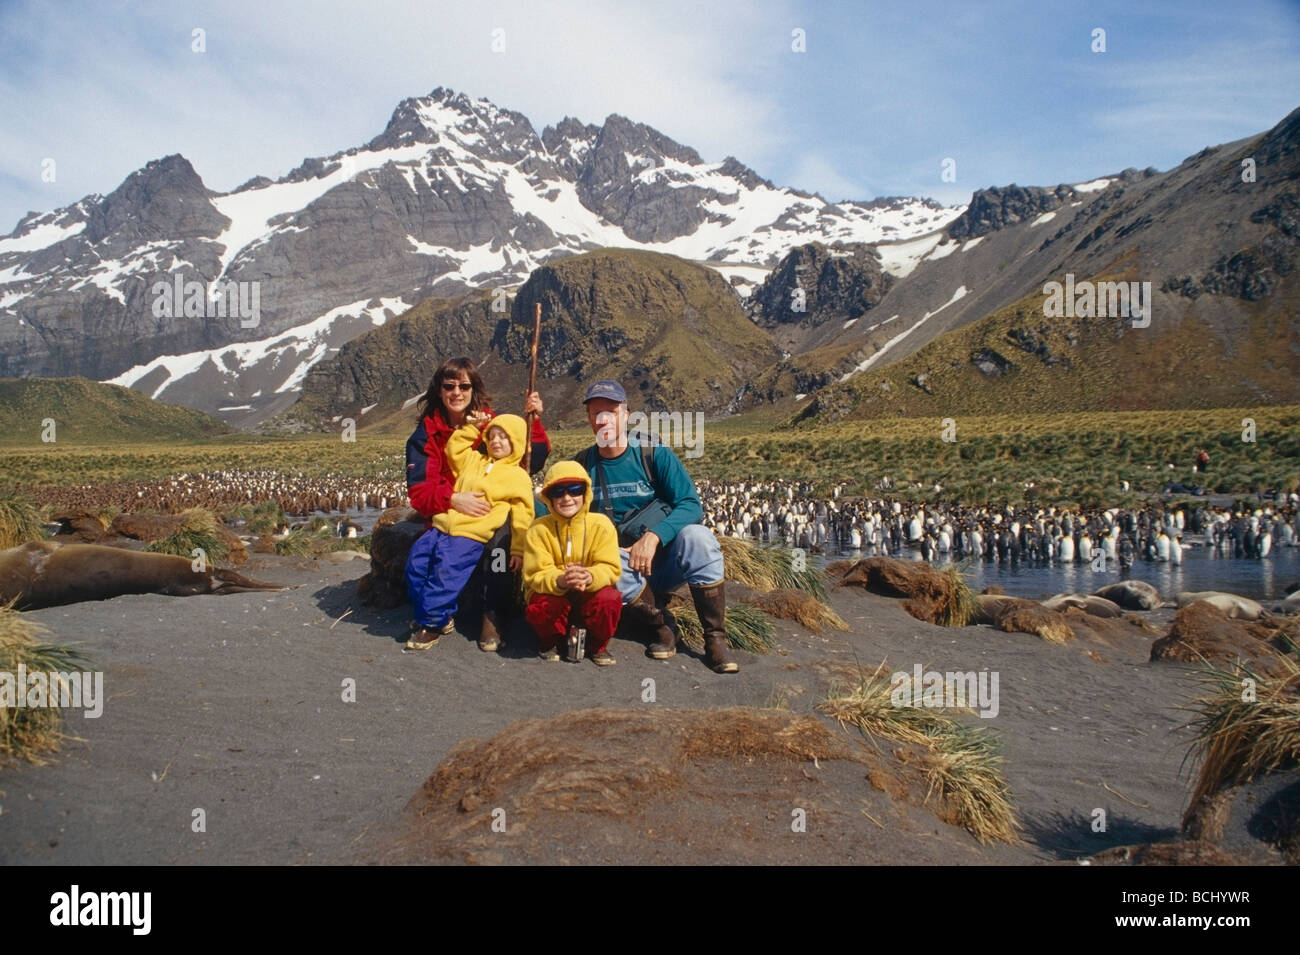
(567, 472)
(516, 429)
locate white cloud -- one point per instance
(278, 82)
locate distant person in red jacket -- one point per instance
(455, 390)
(1202, 461)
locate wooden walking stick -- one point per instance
(532, 382)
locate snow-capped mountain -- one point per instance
(223, 302)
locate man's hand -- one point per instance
(576, 577)
(641, 555)
(471, 503)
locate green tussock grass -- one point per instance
(304, 542)
(767, 568)
(748, 628)
(361, 543)
(20, 521)
(965, 765)
(961, 607)
(198, 531)
(31, 733)
(1237, 740)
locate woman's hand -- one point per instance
(533, 403)
(471, 503)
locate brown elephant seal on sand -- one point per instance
(1090, 604)
(1242, 608)
(1131, 594)
(43, 574)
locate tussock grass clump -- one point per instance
(264, 518)
(1238, 739)
(300, 543)
(30, 733)
(804, 608)
(940, 597)
(20, 521)
(748, 628)
(198, 530)
(960, 606)
(767, 568)
(962, 764)
(351, 543)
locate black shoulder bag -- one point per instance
(646, 517)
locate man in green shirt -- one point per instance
(634, 477)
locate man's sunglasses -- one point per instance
(457, 386)
(572, 490)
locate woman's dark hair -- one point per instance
(451, 370)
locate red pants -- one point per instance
(598, 611)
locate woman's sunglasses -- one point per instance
(571, 490)
(457, 386)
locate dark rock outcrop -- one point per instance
(837, 284)
(996, 208)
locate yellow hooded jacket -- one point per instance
(586, 538)
(503, 483)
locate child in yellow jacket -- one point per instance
(571, 563)
(441, 561)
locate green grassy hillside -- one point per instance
(90, 414)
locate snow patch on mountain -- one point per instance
(41, 237)
(1095, 185)
(295, 350)
(864, 365)
(900, 258)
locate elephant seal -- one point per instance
(1090, 604)
(43, 574)
(1131, 594)
(1290, 605)
(1242, 608)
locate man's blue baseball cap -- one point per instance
(606, 388)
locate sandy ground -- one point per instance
(234, 706)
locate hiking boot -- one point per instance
(550, 655)
(489, 638)
(711, 607)
(647, 615)
(422, 638)
(602, 658)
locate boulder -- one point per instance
(384, 585)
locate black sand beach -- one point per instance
(234, 706)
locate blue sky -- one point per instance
(1012, 91)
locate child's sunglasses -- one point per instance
(572, 490)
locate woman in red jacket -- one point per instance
(455, 390)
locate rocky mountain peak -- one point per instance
(996, 208)
(475, 124)
(164, 200)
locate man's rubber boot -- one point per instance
(711, 607)
(646, 614)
